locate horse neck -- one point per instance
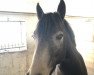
(73, 63)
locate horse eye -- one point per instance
(59, 37)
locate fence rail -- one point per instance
(13, 35)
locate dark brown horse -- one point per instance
(55, 45)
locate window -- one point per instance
(12, 36)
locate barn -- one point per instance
(18, 20)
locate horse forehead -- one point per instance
(49, 25)
(52, 21)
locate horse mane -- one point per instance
(70, 32)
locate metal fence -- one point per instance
(12, 35)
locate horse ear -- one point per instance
(62, 9)
(39, 11)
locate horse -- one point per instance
(55, 44)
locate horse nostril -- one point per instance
(27, 73)
(38, 74)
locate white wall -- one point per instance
(74, 7)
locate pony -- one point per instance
(55, 44)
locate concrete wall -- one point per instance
(17, 63)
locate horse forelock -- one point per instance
(50, 23)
